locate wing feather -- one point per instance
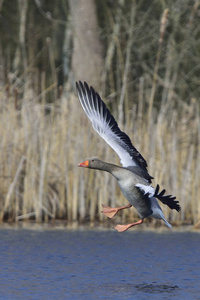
(106, 126)
(167, 199)
(149, 192)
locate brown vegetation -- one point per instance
(153, 86)
(39, 155)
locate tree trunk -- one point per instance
(87, 58)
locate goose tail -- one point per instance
(166, 223)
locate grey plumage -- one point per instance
(133, 177)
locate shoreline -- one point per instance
(75, 226)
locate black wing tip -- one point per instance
(88, 90)
(150, 178)
(83, 85)
(167, 199)
(79, 84)
(79, 87)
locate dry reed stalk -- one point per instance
(110, 49)
(75, 196)
(82, 202)
(126, 69)
(54, 186)
(140, 102)
(42, 186)
(114, 43)
(52, 65)
(11, 187)
(155, 74)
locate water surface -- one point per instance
(62, 264)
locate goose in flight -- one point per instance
(133, 177)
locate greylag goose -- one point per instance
(133, 178)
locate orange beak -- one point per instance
(84, 164)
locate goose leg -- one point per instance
(122, 228)
(110, 212)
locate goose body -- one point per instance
(133, 177)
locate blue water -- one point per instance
(62, 264)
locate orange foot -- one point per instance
(122, 228)
(110, 212)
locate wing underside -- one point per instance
(149, 191)
(106, 126)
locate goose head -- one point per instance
(93, 163)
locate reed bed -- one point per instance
(41, 146)
(151, 78)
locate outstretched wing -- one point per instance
(167, 199)
(106, 126)
(149, 191)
